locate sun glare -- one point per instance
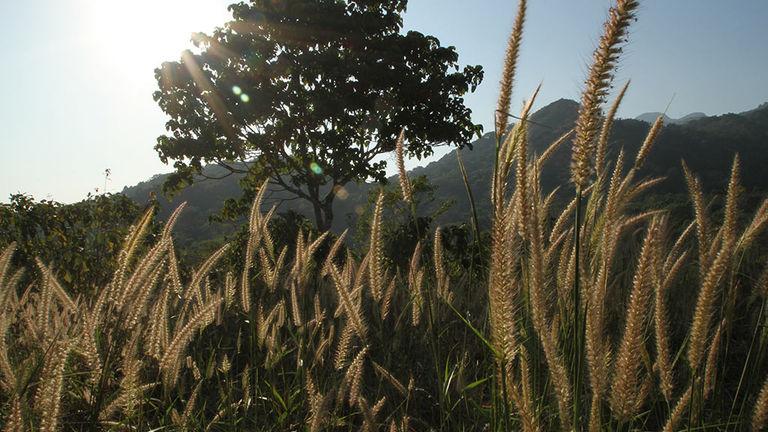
(147, 32)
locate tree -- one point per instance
(307, 93)
(80, 241)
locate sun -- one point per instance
(145, 33)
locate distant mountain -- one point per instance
(762, 106)
(651, 117)
(690, 117)
(708, 146)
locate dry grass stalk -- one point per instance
(5, 266)
(303, 260)
(560, 223)
(48, 395)
(318, 410)
(524, 398)
(343, 346)
(7, 375)
(135, 236)
(506, 153)
(755, 227)
(553, 148)
(354, 375)
(121, 293)
(680, 408)
(760, 414)
(375, 252)
(624, 397)
(229, 289)
(650, 138)
(661, 328)
(705, 305)
(122, 400)
(130, 384)
(369, 417)
(442, 279)
(8, 286)
(598, 350)
(351, 307)
(540, 309)
(405, 183)
(702, 223)
(596, 87)
(613, 199)
(55, 287)
(295, 307)
(173, 270)
(605, 130)
(170, 223)
(229, 409)
(387, 375)
(566, 267)
(386, 301)
(415, 279)
(713, 353)
(329, 259)
(508, 217)
(195, 285)
(254, 235)
(169, 364)
(14, 422)
(521, 173)
(732, 202)
(503, 287)
(508, 71)
(685, 399)
(189, 407)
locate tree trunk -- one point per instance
(328, 212)
(323, 210)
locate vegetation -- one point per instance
(82, 239)
(307, 94)
(703, 144)
(592, 315)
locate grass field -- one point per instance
(588, 317)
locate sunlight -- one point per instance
(147, 32)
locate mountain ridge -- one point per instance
(650, 117)
(707, 144)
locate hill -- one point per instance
(707, 144)
(650, 117)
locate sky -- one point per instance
(77, 76)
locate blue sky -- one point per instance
(77, 75)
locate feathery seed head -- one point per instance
(597, 84)
(405, 183)
(653, 132)
(508, 71)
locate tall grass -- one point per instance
(571, 329)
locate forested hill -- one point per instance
(707, 144)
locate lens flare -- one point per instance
(341, 192)
(245, 98)
(315, 168)
(237, 90)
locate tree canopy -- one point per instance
(80, 241)
(307, 93)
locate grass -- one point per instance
(570, 328)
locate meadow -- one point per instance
(592, 315)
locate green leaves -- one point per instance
(80, 240)
(311, 92)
